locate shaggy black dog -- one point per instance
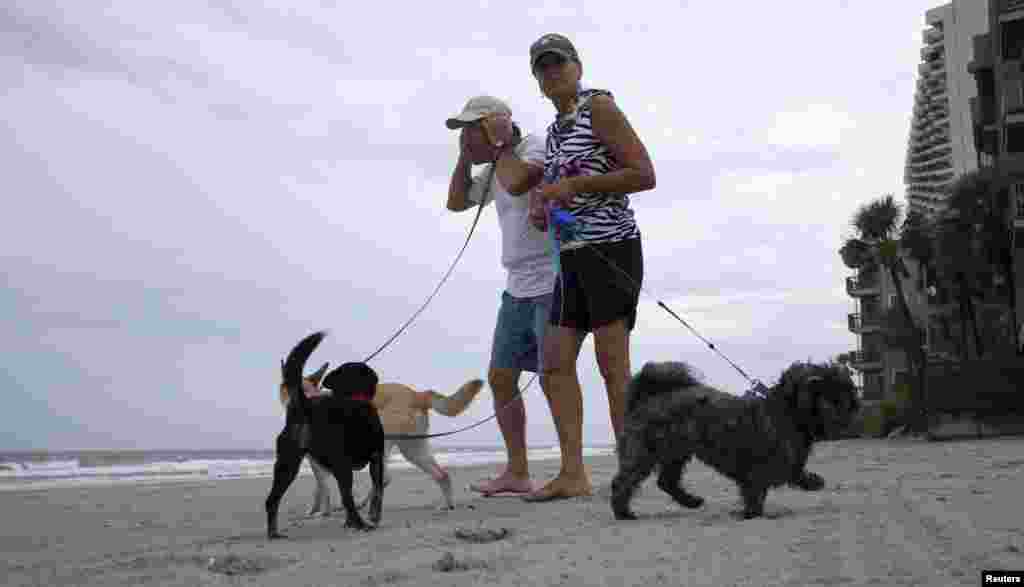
(342, 432)
(759, 443)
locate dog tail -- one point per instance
(294, 365)
(455, 404)
(656, 378)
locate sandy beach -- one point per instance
(900, 512)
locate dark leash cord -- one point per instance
(472, 228)
(758, 387)
(497, 411)
(451, 268)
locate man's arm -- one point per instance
(461, 182)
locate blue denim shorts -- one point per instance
(519, 333)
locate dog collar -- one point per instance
(360, 397)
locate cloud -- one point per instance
(815, 125)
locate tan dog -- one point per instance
(403, 410)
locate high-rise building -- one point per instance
(941, 146)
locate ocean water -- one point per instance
(42, 470)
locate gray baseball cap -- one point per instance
(476, 109)
(552, 43)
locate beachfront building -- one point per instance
(882, 366)
(941, 146)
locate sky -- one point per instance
(192, 187)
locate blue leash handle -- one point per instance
(561, 228)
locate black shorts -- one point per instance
(599, 285)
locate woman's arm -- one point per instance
(611, 126)
(517, 176)
(635, 173)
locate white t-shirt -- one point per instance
(524, 249)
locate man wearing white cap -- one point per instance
(515, 166)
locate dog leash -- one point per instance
(476, 219)
(519, 392)
(556, 219)
(567, 222)
(753, 381)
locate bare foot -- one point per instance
(504, 483)
(562, 487)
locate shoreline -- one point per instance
(158, 467)
(893, 513)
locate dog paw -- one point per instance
(691, 501)
(624, 515)
(809, 481)
(745, 514)
(356, 524)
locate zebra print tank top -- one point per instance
(573, 149)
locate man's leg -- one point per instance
(507, 353)
(511, 415)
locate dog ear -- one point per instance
(318, 375)
(282, 367)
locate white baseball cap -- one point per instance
(476, 109)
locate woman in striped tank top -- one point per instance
(594, 160)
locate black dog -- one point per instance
(341, 431)
(758, 443)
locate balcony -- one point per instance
(1011, 5)
(932, 36)
(866, 360)
(1013, 96)
(983, 112)
(864, 323)
(1011, 165)
(983, 57)
(1017, 190)
(930, 53)
(862, 286)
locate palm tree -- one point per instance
(976, 256)
(878, 243)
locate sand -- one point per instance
(897, 512)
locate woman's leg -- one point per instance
(614, 280)
(562, 388)
(611, 345)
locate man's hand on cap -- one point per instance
(497, 129)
